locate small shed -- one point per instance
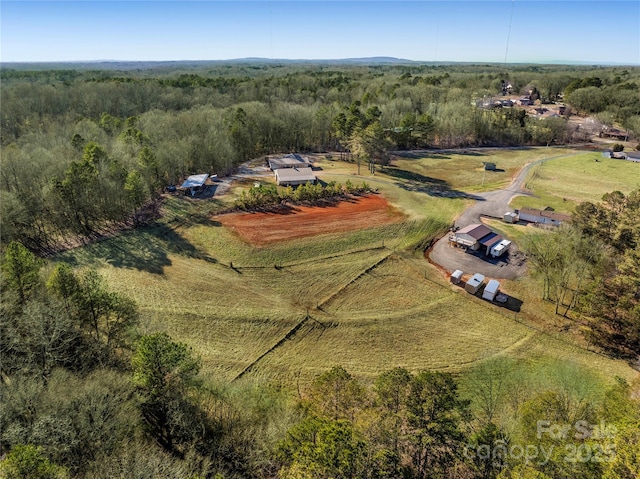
(489, 166)
(510, 217)
(474, 283)
(194, 184)
(491, 290)
(456, 276)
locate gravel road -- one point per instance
(494, 204)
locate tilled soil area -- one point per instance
(303, 221)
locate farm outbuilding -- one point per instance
(489, 241)
(469, 236)
(294, 176)
(490, 290)
(288, 161)
(474, 283)
(194, 184)
(510, 217)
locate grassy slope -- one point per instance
(371, 308)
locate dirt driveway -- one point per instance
(492, 204)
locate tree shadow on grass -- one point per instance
(144, 249)
(416, 182)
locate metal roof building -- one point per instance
(470, 235)
(288, 161)
(194, 183)
(294, 176)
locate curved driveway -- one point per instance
(491, 203)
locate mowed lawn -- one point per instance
(564, 182)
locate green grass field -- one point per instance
(465, 170)
(349, 299)
(565, 182)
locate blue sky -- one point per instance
(468, 31)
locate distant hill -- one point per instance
(187, 64)
(145, 65)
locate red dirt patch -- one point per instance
(304, 221)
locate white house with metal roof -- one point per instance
(294, 176)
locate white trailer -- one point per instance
(500, 248)
(491, 290)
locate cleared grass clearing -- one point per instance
(563, 183)
(512, 231)
(415, 199)
(233, 302)
(465, 170)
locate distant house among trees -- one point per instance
(614, 133)
(525, 101)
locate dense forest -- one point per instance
(86, 394)
(83, 150)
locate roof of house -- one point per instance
(195, 181)
(546, 214)
(287, 161)
(295, 174)
(476, 231)
(633, 154)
